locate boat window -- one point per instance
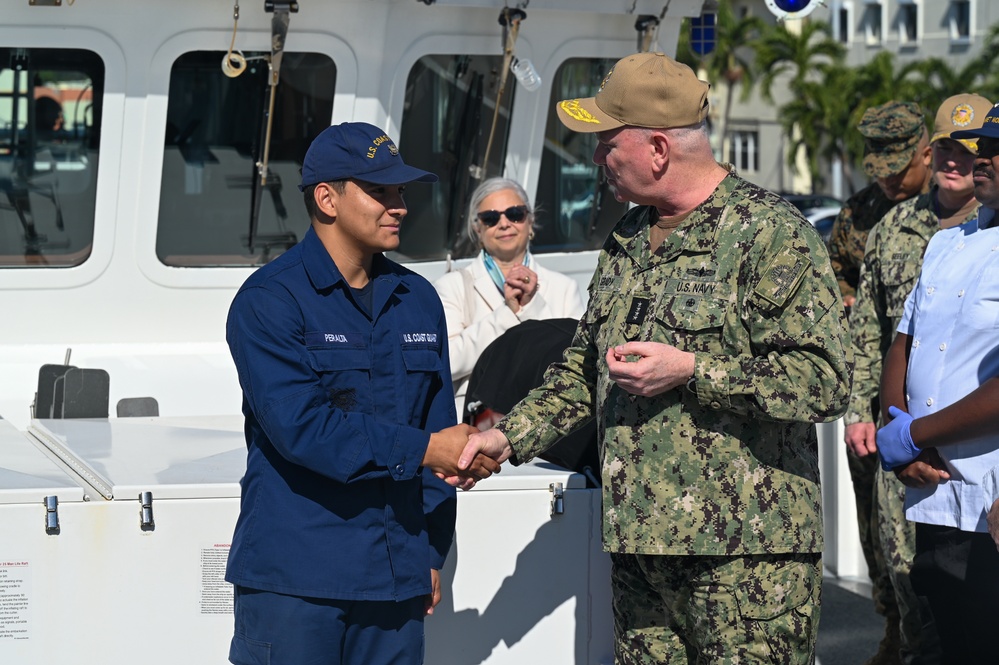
(576, 210)
(213, 209)
(450, 112)
(50, 121)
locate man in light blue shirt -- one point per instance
(940, 386)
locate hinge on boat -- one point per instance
(51, 515)
(146, 522)
(557, 505)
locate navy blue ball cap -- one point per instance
(989, 128)
(361, 151)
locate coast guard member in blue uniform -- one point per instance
(342, 358)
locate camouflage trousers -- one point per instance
(863, 471)
(897, 540)
(889, 544)
(721, 610)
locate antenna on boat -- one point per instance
(510, 20)
(234, 64)
(279, 32)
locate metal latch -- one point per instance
(557, 507)
(146, 522)
(51, 515)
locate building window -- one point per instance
(702, 34)
(842, 18)
(873, 18)
(908, 23)
(744, 150)
(960, 20)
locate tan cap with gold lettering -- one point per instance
(643, 90)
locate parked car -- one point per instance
(806, 202)
(822, 219)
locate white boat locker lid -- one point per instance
(172, 457)
(535, 475)
(27, 476)
(201, 456)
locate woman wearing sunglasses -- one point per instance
(503, 285)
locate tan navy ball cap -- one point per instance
(643, 90)
(958, 113)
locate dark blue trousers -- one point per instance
(956, 576)
(275, 629)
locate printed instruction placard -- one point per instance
(216, 593)
(14, 600)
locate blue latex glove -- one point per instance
(895, 446)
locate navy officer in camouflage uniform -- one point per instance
(897, 156)
(713, 341)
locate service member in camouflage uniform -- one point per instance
(897, 155)
(713, 341)
(891, 267)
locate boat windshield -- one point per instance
(213, 210)
(50, 121)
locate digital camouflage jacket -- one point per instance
(892, 262)
(848, 237)
(729, 466)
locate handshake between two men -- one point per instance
(462, 455)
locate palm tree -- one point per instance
(976, 75)
(684, 50)
(988, 55)
(731, 59)
(818, 117)
(838, 93)
(826, 108)
(781, 51)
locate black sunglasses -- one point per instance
(514, 213)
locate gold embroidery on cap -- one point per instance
(604, 82)
(373, 148)
(962, 115)
(577, 112)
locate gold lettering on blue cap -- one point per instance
(373, 148)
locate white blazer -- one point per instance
(477, 317)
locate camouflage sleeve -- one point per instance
(799, 364)
(839, 242)
(868, 323)
(564, 401)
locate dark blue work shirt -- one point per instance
(339, 408)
